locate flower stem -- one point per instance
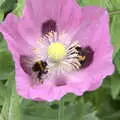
(61, 110)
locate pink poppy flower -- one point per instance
(59, 48)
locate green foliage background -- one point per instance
(102, 104)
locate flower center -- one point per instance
(56, 51)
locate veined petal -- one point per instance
(88, 26)
(96, 34)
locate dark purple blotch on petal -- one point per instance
(88, 53)
(60, 81)
(48, 26)
(26, 63)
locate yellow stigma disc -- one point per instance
(56, 51)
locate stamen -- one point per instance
(60, 57)
(50, 37)
(79, 57)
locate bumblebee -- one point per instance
(40, 69)
(85, 56)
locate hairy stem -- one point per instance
(61, 110)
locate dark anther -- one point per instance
(88, 53)
(78, 48)
(48, 26)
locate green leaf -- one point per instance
(42, 111)
(116, 4)
(69, 97)
(117, 60)
(90, 116)
(115, 85)
(1, 2)
(85, 111)
(3, 46)
(7, 5)
(1, 12)
(37, 111)
(19, 8)
(89, 2)
(115, 33)
(102, 3)
(108, 4)
(1, 15)
(6, 64)
(2, 93)
(113, 116)
(11, 106)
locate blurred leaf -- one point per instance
(1, 2)
(42, 111)
(37, 111)
(11, 106)
(115, 32)
(1, 15)
(99, 96)
(102, 3)
(1, 12)
(117, 60)
(69, 97)
(18, 10)
(116, 3)
(47, 111)
(89, 2)
(108, 4)
(107, 109)
(115, 85)
(90, 116)
(113, 116)
(3, 46)
(2, 93)
(7, 5)
(6, 64)
(85, 111)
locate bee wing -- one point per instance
(26, 63)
